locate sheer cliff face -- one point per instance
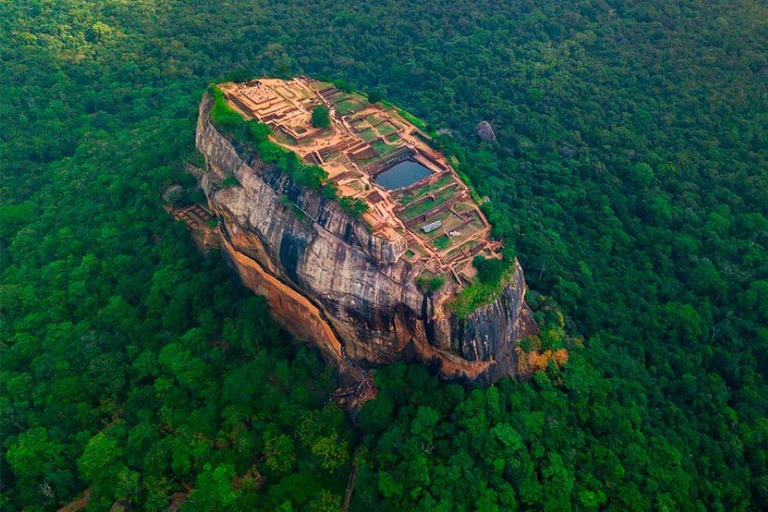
(333, 283)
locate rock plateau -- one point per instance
(351, 286)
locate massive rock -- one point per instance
(332, 282)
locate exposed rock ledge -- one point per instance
(331, 282)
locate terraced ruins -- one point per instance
(393, 276)
(365, 148)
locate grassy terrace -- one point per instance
(386, 129)
(323, 86)
(424, 206)
(415, 121)
(368, 135)
(423, 191)
(383, 148)
(441, 242)
(350, 103)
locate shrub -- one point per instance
(487, 288)
(430, 283)
(343, 85)
(258, 132)
(473, 297)
(489, 271)
(354, 206)
(230, 181)
(269, 152)
(374, 96)
(330, 190)
(221, 114)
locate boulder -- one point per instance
(484, 131)
(173, 194)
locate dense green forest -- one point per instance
(630, 178)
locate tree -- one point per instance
(215, 489)
(354, 206)
(705, 279)
(489, 270)
(100, 458)
(374, 96)
(33, 454)
(321, 117)
(280, 454)
(676, 345)
(332, 451)
(431, 283)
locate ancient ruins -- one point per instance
(372, 152)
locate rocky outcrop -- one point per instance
(484, 131)
(331, 281)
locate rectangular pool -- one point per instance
(402, 174)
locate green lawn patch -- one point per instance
(368, 135)
(347, 106)
(442, 242)
(424, 206)
(386, 129)
(374, 119)
(416, 194)
(382, 147)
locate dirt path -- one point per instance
(350, 485)
(78, 504)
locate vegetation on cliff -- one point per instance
(430, 283)
(492, 275)
(629, 176)
(256, 137)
